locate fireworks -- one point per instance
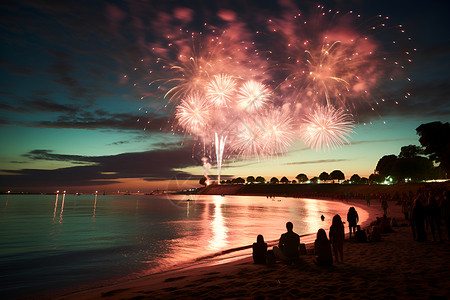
(314, 74)
(326, 128)
(253, 95)
(193, 114)
(221, 89)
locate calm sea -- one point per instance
(53, 245)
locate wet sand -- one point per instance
(395, 268)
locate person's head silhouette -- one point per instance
(260, 239)
(289, 226)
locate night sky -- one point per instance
(75, 116)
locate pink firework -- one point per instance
(327, 128)
(193, 114)
(265, 135)
(279, 131)
(253, 96)
(220, 90)
(248, 140)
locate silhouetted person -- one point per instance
(434, 217)
(337, 237)
(322, 217)
(352, 219)
(322, 249)
(418, 220)
(288, 245)
(259, 250)
(445, 211)
(360, 235)
(385, 225)
(384, 205)
(375, 235)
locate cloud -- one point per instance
(150, 165)
(321, 161)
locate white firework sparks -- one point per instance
(193, 114)
(253, 96)
(327, 128)
(220, 90)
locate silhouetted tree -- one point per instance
(385, 165)
(302, 177)
(337, 175)
(364, 180)
(375, 178)
(274, 180)
(202, 181)
(239, 180)
(356, 179)
(260, 179)
(324, 176)
(250, 179)
(284, 179)
(315, 179)
(294, 181)
(435, 138)
(414, 168)
(410, 151)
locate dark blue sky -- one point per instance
(69, 118)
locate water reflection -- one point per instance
(62, 208)
(95, 205)
(56, 204)
(219, 230)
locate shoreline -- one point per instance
(160, 279)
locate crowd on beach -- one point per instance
(427, 211)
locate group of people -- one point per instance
(288, 246)
(426, 213)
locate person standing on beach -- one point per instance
(445, 211)
(337, 237)
(434, 217)
(288, 245)
(384, 205)
(352, 219)
(418, 220)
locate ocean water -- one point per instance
(52, 245)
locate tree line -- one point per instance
(414, 163)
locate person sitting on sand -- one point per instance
(375, 235)
(288, 245)
(360, 235)
(352, 218)
(259, 250)
(322, 249)
(385, 225)
(337, 237)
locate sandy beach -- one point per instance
(395, 268)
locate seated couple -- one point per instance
(286, 251)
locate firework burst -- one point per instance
(253, 96)
(193, 114)
(221, 89)
(326, 128)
